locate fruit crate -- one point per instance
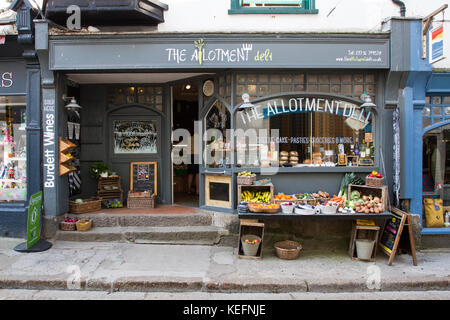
(365, 190)
(265, 188)
(109, 188)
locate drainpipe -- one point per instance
(402, 7)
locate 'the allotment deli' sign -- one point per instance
(275, 107)
(218, 52)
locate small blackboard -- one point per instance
(393, 239)
(143, 176)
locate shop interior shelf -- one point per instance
(363, 169)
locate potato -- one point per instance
(376, 210)
(371, 210)
(366, 211)
(376, 200)
(369, 205)
(365, 198)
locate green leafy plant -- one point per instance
(98, 168)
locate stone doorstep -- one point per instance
(154, 220)
(186, 234)
(230, 285)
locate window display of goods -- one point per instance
(254, 197)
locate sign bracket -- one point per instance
(426, 22)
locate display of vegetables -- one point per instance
(369, 204)
(349, 178)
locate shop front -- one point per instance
(315, 102)
(19, 137)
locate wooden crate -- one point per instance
(110, 182)
(380, 192)
(264, 188)
(363, 232)
(251, 227)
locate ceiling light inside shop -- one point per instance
(188, 86)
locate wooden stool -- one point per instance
(363, 232)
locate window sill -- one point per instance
(266, 10)
(435, 231)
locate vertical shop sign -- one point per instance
(49, 144)
(34, 219)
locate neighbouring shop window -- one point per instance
(135, 137)
(272, 6)
(312, 131)
(436, 149)
(217, 143)
(13, 149)
(152, 96)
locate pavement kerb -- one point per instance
(178, 284)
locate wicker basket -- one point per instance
(262, 210)
(374, 182)
(246, 181)
(84, 224)
(140, 200)
(67, 226)
(88, 205)
(287, 249)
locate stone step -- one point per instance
(146, 220)
(195, 235)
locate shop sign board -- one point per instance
(34, 219)
(49, 138)
(298, 104)
(436, 44)
(209, 52)
(13, 78)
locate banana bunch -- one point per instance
(246, 174)
(250, 196)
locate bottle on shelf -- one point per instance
(356, 149)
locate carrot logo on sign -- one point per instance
(199, 45)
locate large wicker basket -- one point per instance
(374, 182)
(140, 200)
(88, 205)
(287, 249)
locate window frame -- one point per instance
(308, 7)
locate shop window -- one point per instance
(261, 85)
(272, 6)
(217, 143)
(436, 164)
(152, 96)
(13, 148)
(135, 137)
(436, 109)
(313, 130)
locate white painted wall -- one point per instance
(361, 16)
(335, 16)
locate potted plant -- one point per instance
(99, 169)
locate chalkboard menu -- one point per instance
(390, 233)
(393, 240)
(143, 176)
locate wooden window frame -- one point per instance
(308, 7)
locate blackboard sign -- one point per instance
(143, 176)
(393, 238)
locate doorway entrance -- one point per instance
(184, 114)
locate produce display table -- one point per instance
(339, 216)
